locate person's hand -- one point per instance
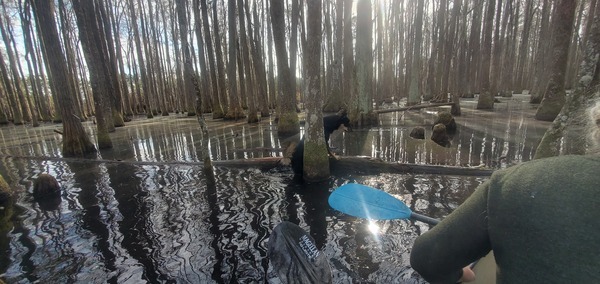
(468, 275)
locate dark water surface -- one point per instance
(143, 212)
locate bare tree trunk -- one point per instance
(363, 111)
(219, 61)
(91, 41)
(145, 84)
(542, 58)
(475, 49)
(565, 134)
(348, 56)
(259, 68)
(115, 95)
(204, 78)
(414, 89)
(17, 114)
(316, 159)
(21, 101)
(75, 140)
(496, 68)
(288, 124)
(562, 27)
(234, 111)
(71, 59)
(335, 100)
(217, 107)
(486, 98)
(524, 46)
(250, 89)
(293, 48)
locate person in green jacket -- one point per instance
(541, 219)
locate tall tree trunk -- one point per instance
(348, 85)
(316, 158)
(75, 140)
(217, 107)
(257, 58)
(188, 67)
(288, 124)
(486, 98)
(21, 100)
(524, 46)
(565, 134)
(562, 27)
(542, 57)
(115, 95)
(234, 111)
(414, 89)
(363, 111)
(496, 68)
(204, 77)
(335, 100)
(474, 49)
(294, 44)
(17, 115)
(145, 84)
(245, 54)
(225, 96)
(91, 42)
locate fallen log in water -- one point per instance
(378, 111)
(370, 166)
(340, 166)
(363, 166)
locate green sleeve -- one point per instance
(461, 238)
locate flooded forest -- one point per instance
(169, 127)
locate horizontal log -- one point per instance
(371, 166)
(378, 111)
(340, 166)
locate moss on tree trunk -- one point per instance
(315, 156)
(288, 124)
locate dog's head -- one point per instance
(344, 123)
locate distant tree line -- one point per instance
(68, 60)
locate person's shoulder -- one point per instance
(564, 160)
(551, 166)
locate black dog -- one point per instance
(331, 123)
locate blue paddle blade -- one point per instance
(366, 202)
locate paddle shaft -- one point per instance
(424, 219)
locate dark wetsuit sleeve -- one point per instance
(461, 238)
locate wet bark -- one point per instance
(21, 93)
(75, 140)
(335, 99)
(17, 115)
(554, 95)
(348, 81)
(217, 107)
(486, 98)
(542, 57)
(234, 110)
(257, 58)
(89, 32)
(316, 163)
(567, 132)
(363, 112)
(250, 90)
(145, 82)
(288, 124)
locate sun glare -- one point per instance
(373, 228)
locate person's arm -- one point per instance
(440, 254)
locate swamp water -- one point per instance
(142, 212)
